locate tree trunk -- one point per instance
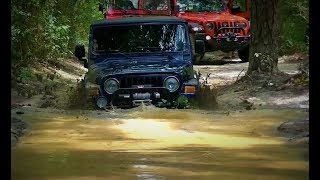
(264, 36)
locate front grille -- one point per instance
(136, 80)
(218, 25)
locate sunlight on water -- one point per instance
(165, 136)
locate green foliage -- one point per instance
(49, 29)
(294, 36)
(182, 102)
(25, 74)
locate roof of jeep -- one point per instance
(144, 19)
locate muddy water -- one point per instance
(153, 143)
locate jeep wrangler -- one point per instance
(134, 60)
(212, 22)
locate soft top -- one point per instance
(143, 19)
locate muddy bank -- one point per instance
(18, 129)
(296, 131)
(236, 91)
(49, 85)
(287, 89)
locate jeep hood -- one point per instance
(138, 65)
(211, 16)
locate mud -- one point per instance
(153, 143)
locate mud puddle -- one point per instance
(153, 143)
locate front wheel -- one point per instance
(244, 54)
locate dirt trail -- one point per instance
(270, 95)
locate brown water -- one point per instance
(153, 143)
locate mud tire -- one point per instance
(196, 57)
(244, 54)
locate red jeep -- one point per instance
(217, 22)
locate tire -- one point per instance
(193, 43)
(87, 102)
(244, 54)
(196, 57)
(83, 92)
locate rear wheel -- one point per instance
(196, 57)
(244, 54)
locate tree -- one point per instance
(264, 37)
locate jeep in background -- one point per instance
(134, 60)
(212, 21)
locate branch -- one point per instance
(239, 74)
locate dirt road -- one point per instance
(153, 143)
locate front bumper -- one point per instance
(134, 97)
(130, 97)
(228, 42)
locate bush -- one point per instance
(294, 35)
(48, 29)
(25, 74)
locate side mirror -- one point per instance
(101, 8)
(200, 47)
(79, 51)
(85, 62)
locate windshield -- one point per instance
(139, 38)
(201, 5)
(155, 4)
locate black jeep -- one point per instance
(134, 60)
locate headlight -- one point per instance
(209, 26)
(243, 24)
(196, 29)
(171, 83)
(111, 85)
